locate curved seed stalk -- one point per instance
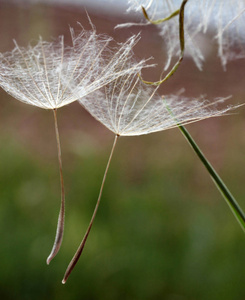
(156, 22)
(181, 40)
(61, 218)
(81, 247)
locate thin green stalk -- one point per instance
(156, 22)
(182, 46)
(81, 246)
(230, 200)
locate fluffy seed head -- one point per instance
(50, 74)
(129, 107)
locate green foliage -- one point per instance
(154, 235)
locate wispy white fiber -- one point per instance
(50, 74)
(128, 107)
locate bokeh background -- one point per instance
(162, 231)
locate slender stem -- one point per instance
(61, 218)
(156, 22)
(231, 201)
(81, 247)
(182, 46)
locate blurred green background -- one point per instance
(162, 231)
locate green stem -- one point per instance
(156, 22)
(230, 200)
(182, 47)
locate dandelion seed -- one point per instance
(50, 75)
(128, 107)
(225, 18)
